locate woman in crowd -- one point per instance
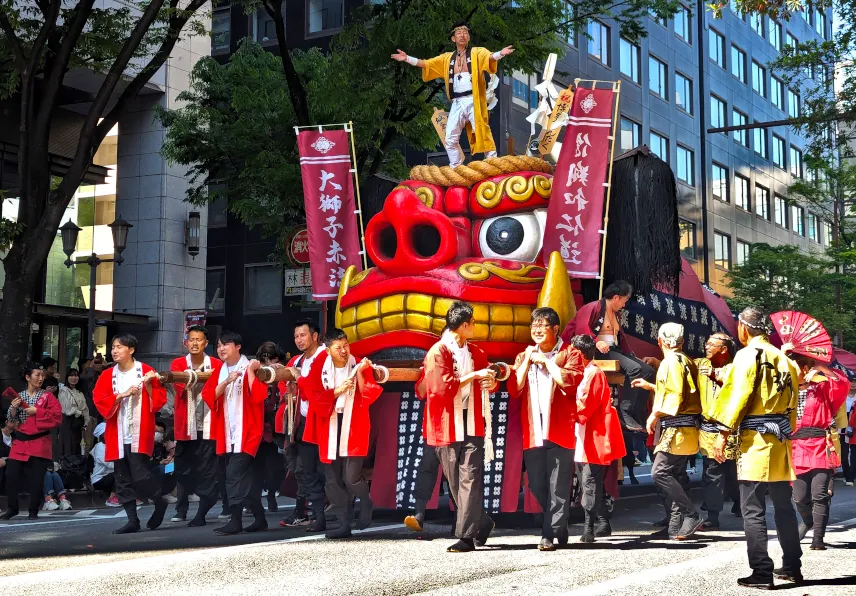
(38, 412)
(75, 414)
(102, 472)
(55, 493)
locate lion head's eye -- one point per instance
(516, 237)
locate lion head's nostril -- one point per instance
(426, 240)
(386, 243)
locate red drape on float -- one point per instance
(575, 215)
(331, 220)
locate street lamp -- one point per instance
(192, 231)
(69, 232)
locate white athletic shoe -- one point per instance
(170, 499)
(192, 499)
(264, 493)
(51, 505)
(64, 504)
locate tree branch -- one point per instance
(20, 58)
(296, 89)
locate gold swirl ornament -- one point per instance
(517, 188)
(483, 271)
(425, 194)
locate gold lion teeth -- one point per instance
(422, 312)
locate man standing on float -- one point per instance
(463, 71)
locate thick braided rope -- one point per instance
(476, 171)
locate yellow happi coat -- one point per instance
(761, 381)
(709, 391)
(676, 393)
(481, 139)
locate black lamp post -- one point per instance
(69, 232)
(193, 228)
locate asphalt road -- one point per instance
(77, 554)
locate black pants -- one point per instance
(272, 466)
(551, 472)
(851, 471)
(666, 473)
(591, 480)
(463, 465)
(70, 435)
(845, 460)
(195, 471)
(344, 482)
(134, 478)
(634, 402)
(811, 495)
(426, 478)
(34, 468)
(629, 460)
(242, 485)
(105, 484)
(713, 486)
(293, 463)
(753, 506)
(310, 462)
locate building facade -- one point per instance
(690, 74)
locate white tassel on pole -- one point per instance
(488, 424)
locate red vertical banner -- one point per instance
(575, 216)
(331, 219)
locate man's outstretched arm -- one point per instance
(400, 56)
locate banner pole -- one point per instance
(616, 86)
(350, 126)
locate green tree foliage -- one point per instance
(785, 278)
(237, 124)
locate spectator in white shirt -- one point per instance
(102, 474)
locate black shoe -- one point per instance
(229, 529)
(197, 522)
(634, 481)
(365, 519)
(484, 533)
(157, 517)
(415, 522)
(788, 576)
(588, 535)
(33, 515)
(273, 507)
(689, 527)
(464, 545)
(735, 509)
(562, 537)
(817, 543)
(602, 529)
(343, 531)
(129, 528)
(9, 514)
(756, 581)
(319, 524)
(802, 530)
(546, 545)
(259, 525)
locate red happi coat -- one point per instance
(250, 409)
(181, 421)
(108, 407)
(851, 422)
(823, 399)
(356, 424)
(563, 406)
(589, 321)
(48, 416)
(599, 437)
(438, 385)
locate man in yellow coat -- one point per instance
(674, 421)
(463, 70)
(759, 400)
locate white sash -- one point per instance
(328, 380)
(463, 362)
(193, 400)
(538, 387)
(235, 391)
(130, 419)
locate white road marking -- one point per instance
(84, 512)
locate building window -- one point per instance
(777, 93)
(759, 79)
(793, 104)
(798, 214)
(717, 112)
(218, 206)
(598, 45)
(520, 89)
(629, 56)
(658, 19)
(741, 192)
(762, 202)
(813, 227)
(682, 24)
(820, 22)
(657, 77)
(571, 17)
(827, 234)
(534, 99)
(759, 140)
(688, 239)
(790, 40)
(738, 64)
(684, 93)
(796, 162)
(719, 182)
(722, 250)
(779, 151)
(264, 28)
(215, 290)
(262, 288)
(742, 253)
(780, 211)
(756, 22)
(659, 146)
(324, 15)
(686, 166)
(776, 35)
(738, 118)
(716, 51)
(631, 134)
(221, 30)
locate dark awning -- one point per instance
(71, 313)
